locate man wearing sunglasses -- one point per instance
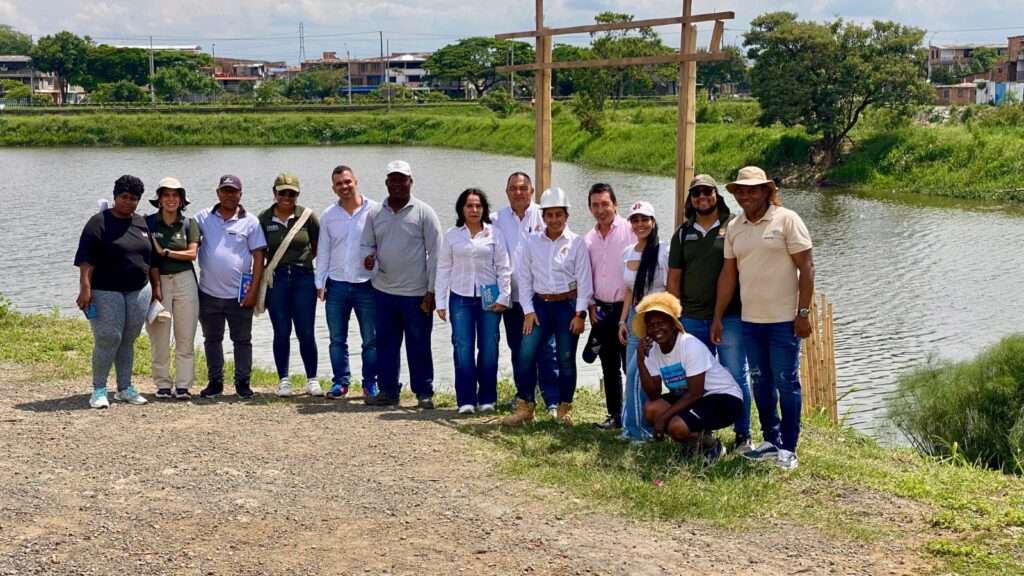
(696, 257)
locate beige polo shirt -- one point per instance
(768, 277)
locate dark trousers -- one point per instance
(554, 319)
(292, 301)
(213, 314)
(401, 317)
(547, 359)
(612, 355)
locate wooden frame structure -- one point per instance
(687, 58)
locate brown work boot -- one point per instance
(522, 416)
(563, 414)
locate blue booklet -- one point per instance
(243, 286)
(489, 295)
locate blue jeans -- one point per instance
(731, 354)
(398, 317)
(342, 298)
(474, 331)
(634, 426)
(292, 301)
(773, 352)
(547, 362)
(554, 319)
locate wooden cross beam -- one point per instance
(686, 58)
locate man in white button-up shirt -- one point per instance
(555, 287)
(343, 281)
(517, 222)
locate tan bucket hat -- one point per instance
(663, 302)
(751, 176)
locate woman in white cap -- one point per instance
(474, 286)
(645, 271)
(175, 246)
(555, 286)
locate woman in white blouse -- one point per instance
(474, 284)
(645, 271)
(555, 287)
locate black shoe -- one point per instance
(714, 452)
(163, 393)
(425, 403)
(610, 423)
(211, 391)
(182, 394)
(244, 392)
(381, 399)
(592, 349)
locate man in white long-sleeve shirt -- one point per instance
(344, 283)
(555, 287)
(517, 222)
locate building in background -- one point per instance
(233, 73)
(19, 68)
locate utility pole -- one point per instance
(213, 49)
(511, 73)
(302, 44)
(348, 68)
(152, 72)
(380, 34)
(388, 77)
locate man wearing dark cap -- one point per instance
(230, 258)
(402, 238)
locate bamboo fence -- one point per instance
(818, 363)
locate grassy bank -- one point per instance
(962, 518)
(953, 161)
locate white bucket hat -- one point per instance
(554, 198)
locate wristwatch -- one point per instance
(803, 312)
(581, 315)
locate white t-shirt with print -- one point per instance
(688, 358)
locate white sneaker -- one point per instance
(98, 399)
(553, 411)
(743, 447)
(466, 409)
(284, 388)
(129, 395)
(787, 460)
(313, 386)
(487, 408)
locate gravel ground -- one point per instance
(310, 486)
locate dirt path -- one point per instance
(316, 487)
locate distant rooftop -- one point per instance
(14, 58)
(967, 45)
(172, 47)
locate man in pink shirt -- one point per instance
(607, 242)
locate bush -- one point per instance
(973, 410)
(588, 113)
(120, 91)
(500, 102)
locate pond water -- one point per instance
(908, 282)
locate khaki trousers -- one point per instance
(181, 299)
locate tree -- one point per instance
(983, 59)
(630, 43)
(177, 83)
(108, 64)
(317, 84)
(14, 42)
(715, 73)
(824, 76)
(14, 90)
(473, 60)
(271, 92)
(942, 75)
(120, 91)
(65, 55)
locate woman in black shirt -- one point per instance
(113, 259)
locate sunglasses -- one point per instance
(702, 191)
(288, 193)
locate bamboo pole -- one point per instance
(818, 362)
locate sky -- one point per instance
(269, 29)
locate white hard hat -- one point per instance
(554, 198)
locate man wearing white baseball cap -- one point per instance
(768, 249)
(402, 238)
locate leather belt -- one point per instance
(570, 295)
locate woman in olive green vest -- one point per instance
(175, 245)
(291, 287)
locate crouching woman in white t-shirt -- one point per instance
(701, 395)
